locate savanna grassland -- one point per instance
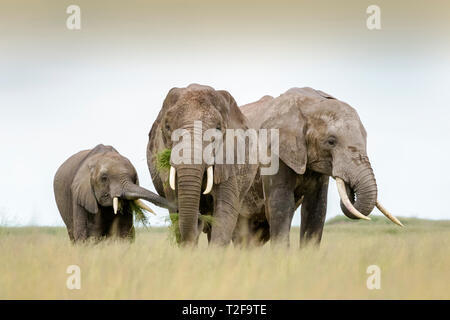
(414, 263)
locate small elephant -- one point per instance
(93, 191)
(216, 189)
(319, 137)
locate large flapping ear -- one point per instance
(234, 119)
(325, 95)
(222, 172)
(171, 98)
(291, 126)
(82, 191)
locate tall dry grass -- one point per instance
(414, 262)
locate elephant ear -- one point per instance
(82, 192)
(222, 172)
(234, 119)
(172, 97)
(231, 113)
(291, 126)
(325, 95)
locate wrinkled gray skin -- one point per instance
(217, 110)
(85, 186)
(320, 137)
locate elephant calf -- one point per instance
(93, 192)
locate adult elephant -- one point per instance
(319, 137)
(196, 185)
(94, 190)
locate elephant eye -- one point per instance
(219, 127)
(331, 141)
(104, 178)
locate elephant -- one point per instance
(93, 192)
(224, 185)
(319, 137)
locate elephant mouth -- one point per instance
(344, 191)
(139, 203)
(351, 193)
(209, 181)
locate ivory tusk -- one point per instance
(142, 205)
(388, 215)
(172, 178)
(115, 204)
(346, 201)
(209, 183)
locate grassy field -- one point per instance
(414, 263)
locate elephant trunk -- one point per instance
(189, 180)
(363, 187)
(132, 191)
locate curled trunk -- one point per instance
(362, 192)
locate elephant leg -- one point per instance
(70, 233)
(113, 228)
(200, 228)
(225, 213)
(261, 232)
(207, 230)
(95, 226)
(280, 203)
(121, 227)
(208, 236)
(241, 232)
(80, 223)
(313, 212)
(126, 228)
(251, 232)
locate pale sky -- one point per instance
(64, 91)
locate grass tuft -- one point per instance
(174, 228)
(163, 160)
(174, 234)
(138, 214)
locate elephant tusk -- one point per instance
(209, 183)
(172, 178)
(388, 215)
(116, 204)
(142, 205)
(346, 201)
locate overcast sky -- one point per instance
(63, 91)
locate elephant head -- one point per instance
(190, 112)
(105, 178)
(320, 133)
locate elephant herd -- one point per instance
(318, 137)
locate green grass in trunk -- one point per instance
(163, 160)
(138, 214)
(174, 228)
(163, 163)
